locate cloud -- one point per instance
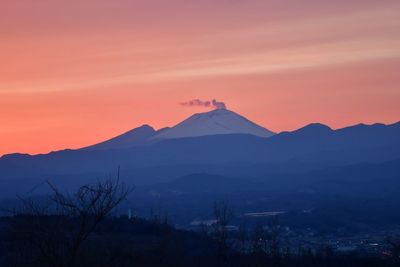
(204, 103)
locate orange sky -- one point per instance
(73, 73)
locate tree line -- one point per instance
(78, 230)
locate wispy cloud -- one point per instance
(278, 47)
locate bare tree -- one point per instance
(59, 228)
(222, 214)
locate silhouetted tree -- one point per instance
(222, 214)
(58, 229)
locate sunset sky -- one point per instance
(73, 73)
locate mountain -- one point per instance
(313, 146)
(131, 138)
(218, 121)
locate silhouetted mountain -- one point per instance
(347, 142)
(219, 121)
(313, 129)
(315, 144)
(131, 138)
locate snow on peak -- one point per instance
(218, 121)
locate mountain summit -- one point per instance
(218, 121)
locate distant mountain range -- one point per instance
(356, 197)
(216, 142)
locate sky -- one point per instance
(74, 73)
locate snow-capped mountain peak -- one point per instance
(218, 121)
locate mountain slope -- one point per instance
(131, 138)
(219, 121)
(203, 183)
